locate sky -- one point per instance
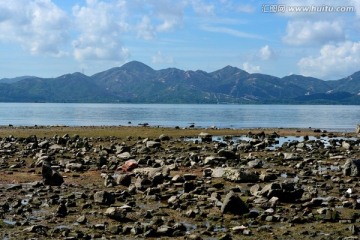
(49, 38)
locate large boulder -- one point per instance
(233, 204)
(286, 192)
(240, 175)
(357, 131)
(235, 174)
(351, 168)
(50, 176)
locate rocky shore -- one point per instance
(158, 183)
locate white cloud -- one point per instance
(266, 53)
(251, 68)
(203, 8)
(101, 26)
(160, 58)
(318, 32)
(230, 31)
(245, 8)
(145, 29)
(38, 25)
(334, 61)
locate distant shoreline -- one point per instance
(154, 132)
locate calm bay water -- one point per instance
(330, 117)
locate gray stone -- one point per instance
(104, 197)
(257, 163)
(74, 166)
(214, 159)
(292, 156)
(346, 145)
(153, 144)
(205, 137)
(116, 213)
(239, 175)
(351, 168)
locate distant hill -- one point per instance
(135, 82)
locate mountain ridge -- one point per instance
(136, 82)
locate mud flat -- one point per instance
(159, 183)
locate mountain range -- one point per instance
(135, 82)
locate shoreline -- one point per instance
(155, 131)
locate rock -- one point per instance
(129, 165)
(331, 215)
(205, 137)
(150, 172)
(61, 211)
(257, 163)
(286, 192)
(228, 154)
(104, 197)
(116, 213)
(74, 167)
(292, 156)
(346, 145)
(153, 144)
(50, 176)
(357, 131)
(124, 155)
(213, 159)
(43, 144)
(266, 177)
(239, 175)
(351, 168)
(255, 189)
(40, 229)
(164, 137)
(164, 230)
(123, 179)
(109, 181)
(233, 204)
(82, 219)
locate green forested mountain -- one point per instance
(135, 82)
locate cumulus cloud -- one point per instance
(266, 53)
(251, 68)
(333, 61)
(318, 32)
(101, 26)
(160, 58)
(38, 25)
(145, 29)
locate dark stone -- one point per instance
(104, 197)
(50, 176)
(234, 205)
(123, 179)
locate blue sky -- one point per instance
(48, 38)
